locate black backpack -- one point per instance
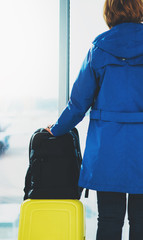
(54, 166)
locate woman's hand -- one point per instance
(48, 129)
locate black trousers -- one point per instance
(111, 214)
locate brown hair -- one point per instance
(120, 11)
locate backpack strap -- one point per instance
(116, 116)
(86, 193)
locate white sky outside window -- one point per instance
(86, 23)
(29, 48)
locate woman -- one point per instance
(111, 81)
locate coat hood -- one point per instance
(123, 40)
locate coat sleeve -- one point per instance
(81, 98)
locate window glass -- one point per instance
(86, 23)
(29, 45)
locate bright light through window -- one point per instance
(86, 23)
(29, 48)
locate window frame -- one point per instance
(64, 53)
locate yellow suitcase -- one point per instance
(52, 220)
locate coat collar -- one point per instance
(123, 40)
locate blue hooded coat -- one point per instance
(110, 85)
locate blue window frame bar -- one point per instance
(64, 53)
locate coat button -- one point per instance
(123, 59)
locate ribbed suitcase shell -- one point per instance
(52, 220)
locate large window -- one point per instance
(29, 53)
(29, 48)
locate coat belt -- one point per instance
(116, 116)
